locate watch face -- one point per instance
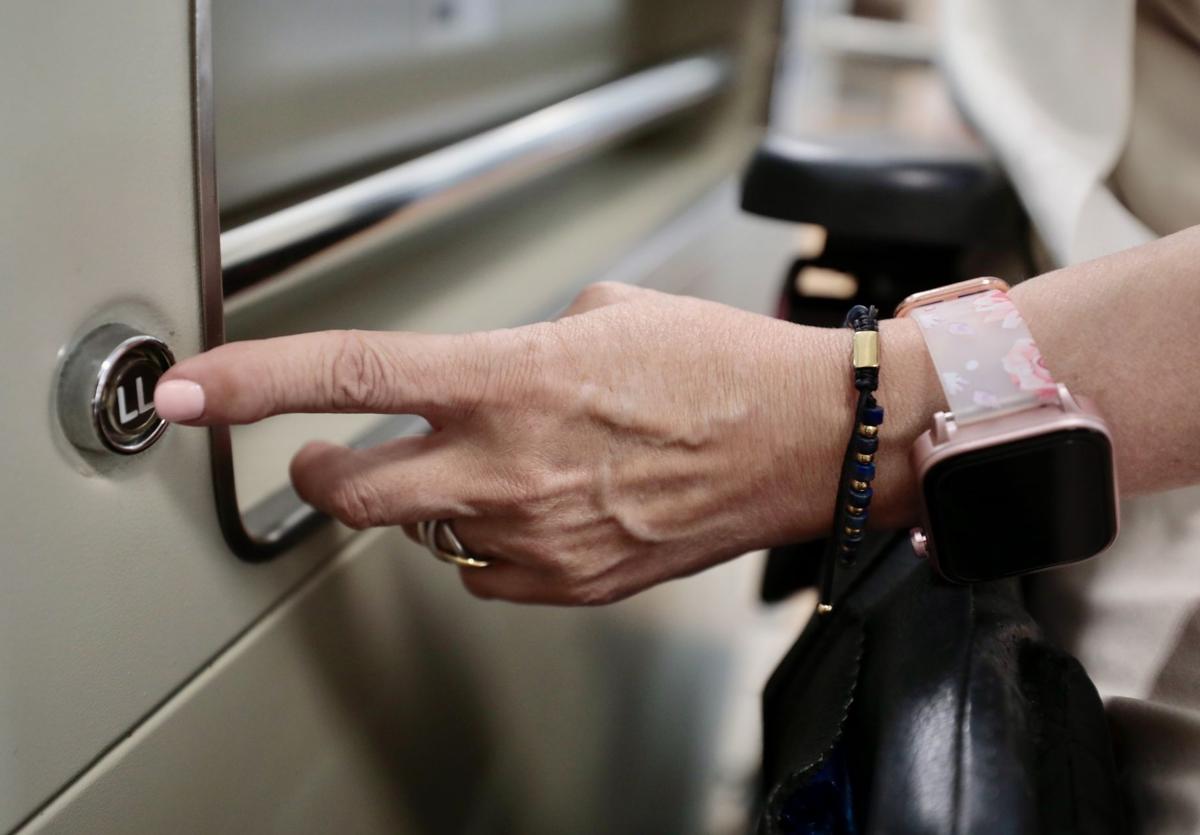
(1022, 506)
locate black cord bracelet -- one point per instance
(858, 464)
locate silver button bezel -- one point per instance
(85, 377)
(104, 378)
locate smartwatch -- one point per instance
(1018, 474)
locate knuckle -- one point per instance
(594, 593)
(354, 505)
(517, 379)
(541, 552)
(531, 488)
(358, 371)
(604, 292)
(479, 364)
(576, 573)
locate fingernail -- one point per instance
(179, 400)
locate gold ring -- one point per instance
(441, 540)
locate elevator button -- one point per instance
(106, 390)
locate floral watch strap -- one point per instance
(984, 354)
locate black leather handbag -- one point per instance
(918, 706)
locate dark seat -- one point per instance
(899, 216)
(882, 189)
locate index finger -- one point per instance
(432, 375)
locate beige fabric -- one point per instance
(1094, 108)
(1158, 174)
(1050, 86)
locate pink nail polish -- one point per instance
(179, 400)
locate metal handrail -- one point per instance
(466, 172)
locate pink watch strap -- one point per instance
(984, 354)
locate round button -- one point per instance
(106, 391)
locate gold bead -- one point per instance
(854, 509)
(824, 609)
(851, 531)
(859, 485)
(865, 353)
(868, 431)
(864, 458)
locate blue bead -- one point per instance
(862, 498)
(864, 472)
(873, 416)
(856, 520)
(867, 446)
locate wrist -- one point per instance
(910, 393)
(815, 405)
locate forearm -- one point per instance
(1120, 330)
(1117, 330)
(644, 436)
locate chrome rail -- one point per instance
(437, 184)
(409, 194)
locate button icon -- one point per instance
(142, 408)
(106, 391)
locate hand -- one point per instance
(640, 437)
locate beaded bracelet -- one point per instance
(858, 464)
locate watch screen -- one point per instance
(1022, 506)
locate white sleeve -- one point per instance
(1050, 85)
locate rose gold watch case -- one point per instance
(947, 439)
(951, 291)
